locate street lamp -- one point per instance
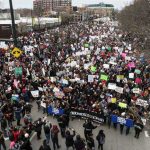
(13, 23)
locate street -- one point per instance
(114, 140)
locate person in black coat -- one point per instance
(79, 143)
(38, 128)
(45, 146)
(62, 125)
(88, 127)
(69, 139)
(101, 139)
(138, 129)
(90, 142)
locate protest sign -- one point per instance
(123, 55)
(112, 86)
(64, 81)
(43, 71)
(120, 77)
(131, 65)
(52, 79)
(137, 71)
(43, 104)
(113, 100)
(104, 77)
(131, 75)
(15, 97)
(141, 102)
(136, 90)
(35, 93)
(93, 68)
(109, 48)
(56, 111)
(40, 88)
(86, 45)
(59, 94)
(122, 105)
(106, 66)
(90, 78)
(121, 120)
(18, 71)
(119, 90)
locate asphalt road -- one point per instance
(114, 140)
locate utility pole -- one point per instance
(13, 27)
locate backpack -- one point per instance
(102, 139)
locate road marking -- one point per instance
(32, 136)
(146, 134)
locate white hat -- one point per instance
(26, 135)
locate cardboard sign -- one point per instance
(120, 77)
(131, 75)
(65, 82)
(93, 68)
(104, 77)
(141, 102)
(119, 90)
(106, 66)
(86, 45)
(59, 94)
(113, 100)
(18, 71)
(137, 71)
(122, 105)
(90, 78)
(35, 93)
(136, 90)
(112, 86)
(40, 88)
(15, 97)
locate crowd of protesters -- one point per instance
(58, 64)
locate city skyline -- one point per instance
(119, 4)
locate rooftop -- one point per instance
(101, 5)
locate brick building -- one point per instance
(46, 6)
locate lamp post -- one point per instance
(13, 23)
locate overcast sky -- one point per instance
(28, 3)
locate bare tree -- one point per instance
(136, 20)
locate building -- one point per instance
(44, 7)
(101, 9)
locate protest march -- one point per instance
(84, 70)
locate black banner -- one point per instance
(87, 114)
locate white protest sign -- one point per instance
(106, 66)
(112, 86)
(35, 93)
(141, 102)
(43, 71)
(64, 81)
(131, 75)
(48, 62)
(127, 58)
(113, 63)
(90, 78)
(119, 90)
(56, 89)
(73, 63)
(43, 104)
(136, 90)
(52, 79)
(40, 88)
